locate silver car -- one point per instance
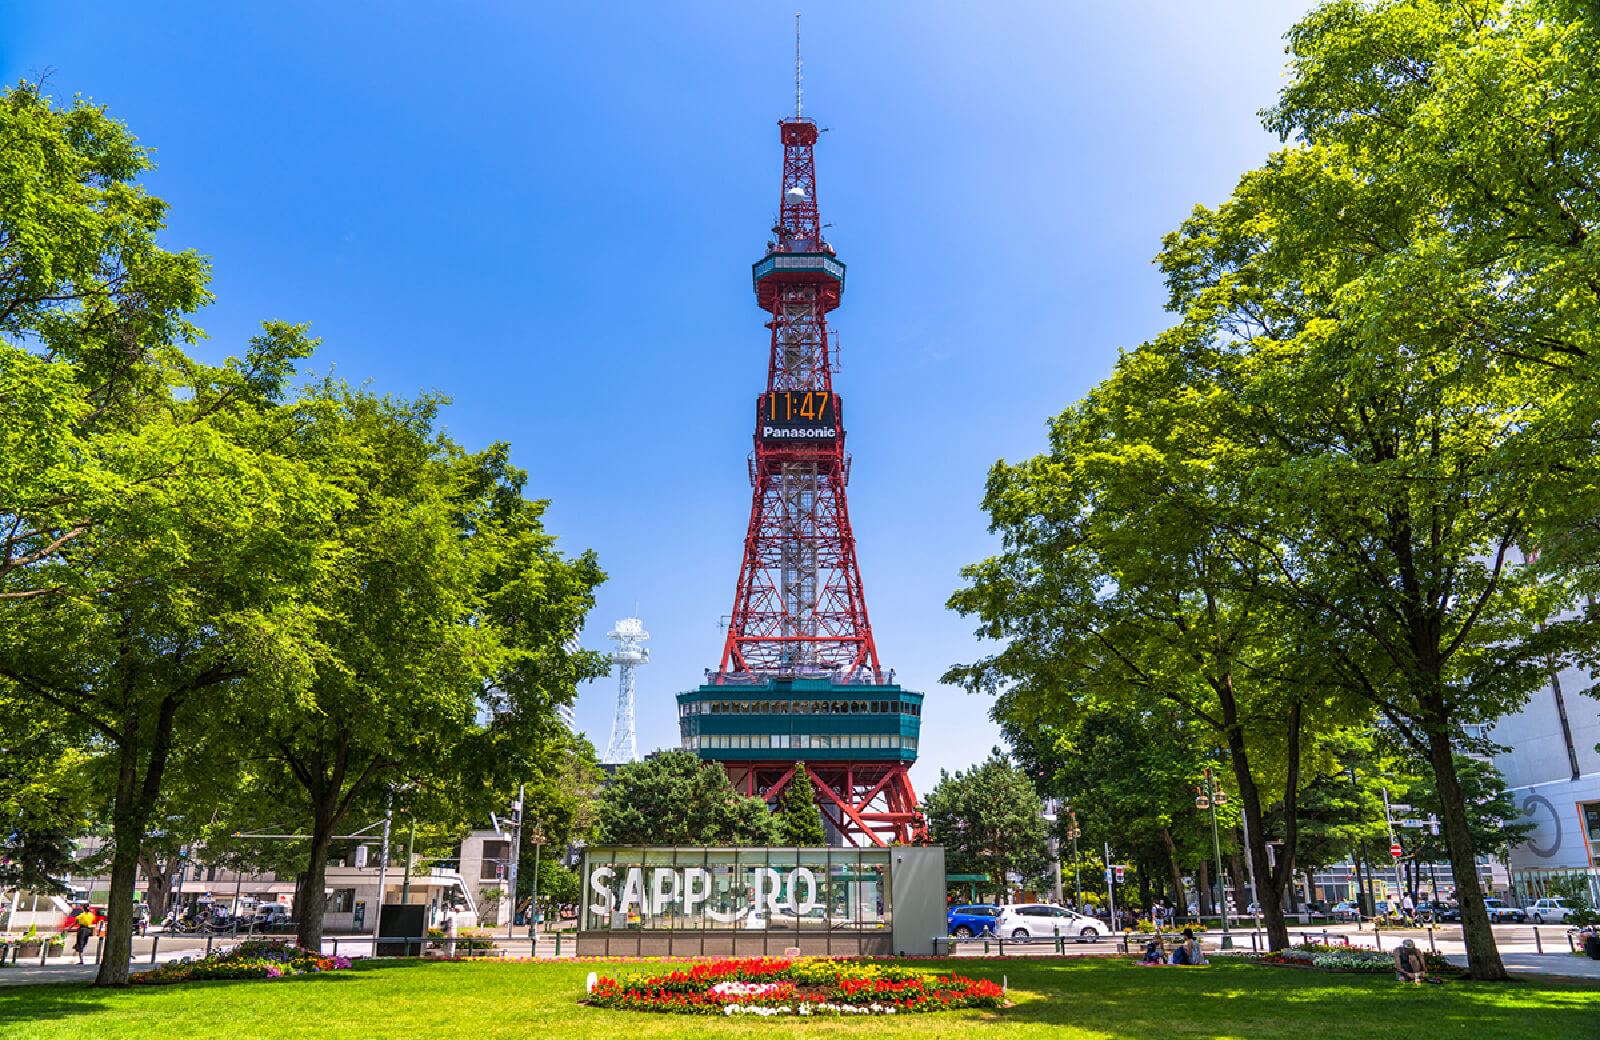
(1043, 921)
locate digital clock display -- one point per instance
(797, 415)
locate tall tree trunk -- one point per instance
(1144, 888)
(131, 807)
(1270, 882)
(1483, 956)
(1179, 904)
(127, 833)
(310, 899)
(1204, 881)
(158, 885)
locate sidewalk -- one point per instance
(34, 974)
(1563, 964)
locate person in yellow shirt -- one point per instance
(85, 921)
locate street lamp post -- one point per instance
(1216, 844)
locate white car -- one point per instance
(1549, 910)
(1042, 921)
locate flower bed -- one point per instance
(1360, 959)
(768, 986)
(254, 959)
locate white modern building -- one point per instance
(1553, 770)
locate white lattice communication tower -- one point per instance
(629, 655)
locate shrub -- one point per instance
(252, 959)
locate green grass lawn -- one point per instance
(1073, 999)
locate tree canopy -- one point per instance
(1311, 497)
(193, 552)
(990, 820)
(672, 798)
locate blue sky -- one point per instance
(548, 213)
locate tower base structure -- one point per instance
(864, 803)
(857, 740)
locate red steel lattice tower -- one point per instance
(799, 608)
(800, 680)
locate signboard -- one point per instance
(360, 921)
(769, 891)
(692, 888)
(1395, 850)
(797, 415)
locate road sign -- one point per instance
(1399, 807)
(1412, 824)
(1395, 850)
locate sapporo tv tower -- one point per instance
(799, 679)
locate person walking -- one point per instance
(84, 921)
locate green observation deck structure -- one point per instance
(855, 740)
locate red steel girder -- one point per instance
(869, 803)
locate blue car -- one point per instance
(973, 919)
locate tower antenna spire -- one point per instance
(798, 108)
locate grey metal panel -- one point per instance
(916, 885)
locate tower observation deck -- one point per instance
(799, 679)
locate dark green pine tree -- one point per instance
(799, 821)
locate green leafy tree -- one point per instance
(1420, 256)
(799, 819)
(154, 533)
(990, 820)
(1134, 578)
(673, 798)
(443, 625)
(1491, 810)
(44, 803)
(1132, 779)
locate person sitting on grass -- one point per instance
(1409, 965)
(1188, 951)
(1155, 951)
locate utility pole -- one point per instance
(533, 904)
(1053, 815)
(1250, 865)
(1388, 819)
(383, 866)
(1077, 883)
(516, 856)
(411, 837)
(1111, 892)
